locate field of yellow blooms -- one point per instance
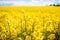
(29, 23)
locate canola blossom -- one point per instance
(29, 23)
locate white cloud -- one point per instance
(31, 3)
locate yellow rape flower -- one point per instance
(19, 38)
(3, 36)
(51, 36)
(28, 38)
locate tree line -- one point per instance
(54, 4)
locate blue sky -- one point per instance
(28, 2)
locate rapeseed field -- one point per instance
(29, 23)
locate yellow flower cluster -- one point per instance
(29, 23)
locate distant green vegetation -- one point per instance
(54, 4)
